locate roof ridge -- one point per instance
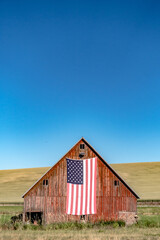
(99, 156)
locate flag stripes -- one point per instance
(81, 198)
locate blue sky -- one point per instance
(79, 68)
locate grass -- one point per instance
(142, 177)
(13, 183)
(11, 209)
(148, 211)
(148, 228)
(87, 234)
(149, 221)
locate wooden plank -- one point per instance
(51, 199)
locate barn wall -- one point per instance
(51, 199)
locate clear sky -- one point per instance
(79, 68)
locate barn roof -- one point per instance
(97, 154)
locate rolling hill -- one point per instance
(144, 178)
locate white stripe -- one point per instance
(93, 177)
(84, 187)
(69, 199)
(74, 199)
(89, 181)
(79, 199)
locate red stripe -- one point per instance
(76, 207)
(72, 198)
(70, 194)
(67, 197)
(90, 204)
(95, 177)
(86, 186)
(81, 204)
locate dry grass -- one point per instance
(142, 177)
(106, 234)
(13, 183)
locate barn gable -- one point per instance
(75, 156)
(48, 195)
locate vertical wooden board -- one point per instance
(100, 206)
(49, 185)
(120, 203)
(101, 179)
(105, 182)
(48, 205)
(41, 188)
(86, 151)
(37, 206)
(76, 152)
(104, 207)
(65, 179)
(97, 205)
(54, 206)
(97, 181)
(61, 183)
(109, 197)
(64, 205)
(59, 180)
(108, 207)
(89, 153)
(109, 183)
(117, 207)
(57, 206)
(62, 179)
(54, 182)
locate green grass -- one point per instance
(142, 177)
(149, 221)
(148, 227)
(11, 209)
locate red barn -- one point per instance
(46, 199)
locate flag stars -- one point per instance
(75, 171)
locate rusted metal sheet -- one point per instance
(51, 199)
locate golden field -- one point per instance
(144, 178)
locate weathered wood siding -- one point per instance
(51, 199)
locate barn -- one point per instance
(46, 199)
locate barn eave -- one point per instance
(96, 153)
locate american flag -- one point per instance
(81, 186)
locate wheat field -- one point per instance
(144, 178)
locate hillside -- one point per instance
(13, 183)
(144, 178)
